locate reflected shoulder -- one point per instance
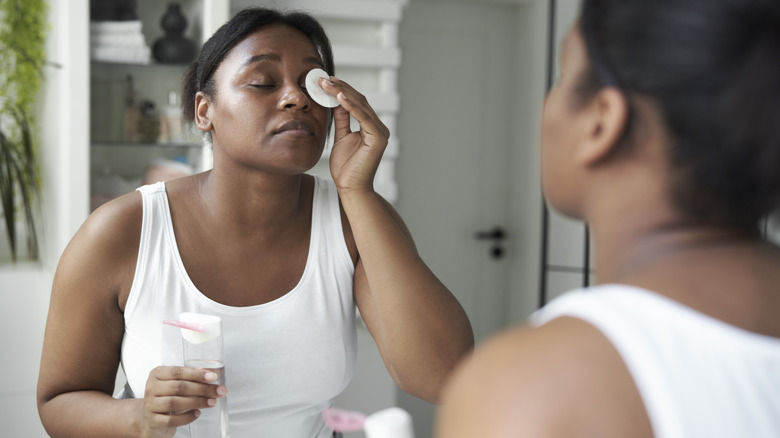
(539, 381)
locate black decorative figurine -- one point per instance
(174, 48)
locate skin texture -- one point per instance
(247, 219)
(564, 379)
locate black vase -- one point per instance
(173, 48)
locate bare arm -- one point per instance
(420, 328)
(84, 333)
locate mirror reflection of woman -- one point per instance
(662, 133)
(283, 257)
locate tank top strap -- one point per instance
(153, 229)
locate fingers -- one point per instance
(173, 419)
(175, 395)
(164, 373)
(355, 105)
(341, 123)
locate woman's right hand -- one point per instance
(174, 396)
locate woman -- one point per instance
(662, 133)
(282, 257)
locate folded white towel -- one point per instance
(117, 40)
(120, 54)
(116, 27)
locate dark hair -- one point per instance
(712, 67)
(200, 75)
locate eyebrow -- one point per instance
(274, 57)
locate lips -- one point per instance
(300, 127)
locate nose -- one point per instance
(294, 96)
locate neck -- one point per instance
(625, 252)
(251, 203)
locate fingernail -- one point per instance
(211, 402)
(221, 390)
(210, 376)
(197, 413)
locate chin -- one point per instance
(566, 209)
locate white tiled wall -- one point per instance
(566, 242)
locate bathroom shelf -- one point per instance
(118, 163)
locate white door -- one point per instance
(471, 85)
(455, 135)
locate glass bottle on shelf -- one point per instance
(132, 112)
(171, 121)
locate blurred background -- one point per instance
(460, 84)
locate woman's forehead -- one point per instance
(272, 43)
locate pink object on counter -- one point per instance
(343, 421)
(392, 422)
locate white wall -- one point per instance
(64, 156)
(526, 207)
(24, 294)
(566, 248)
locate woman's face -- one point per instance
(562, 128)
(261, 115)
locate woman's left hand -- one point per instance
(356, 155)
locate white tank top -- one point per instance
(285, 360)
(698, 376)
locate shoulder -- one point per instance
(104, 250)
(561, 379)
(115, 222)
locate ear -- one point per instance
(202, 114)
(609, 111)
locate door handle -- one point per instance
(497, 235)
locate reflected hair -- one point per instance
(712, 68)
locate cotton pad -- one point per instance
(316, 92)
(212, 327)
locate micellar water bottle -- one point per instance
(204, 349)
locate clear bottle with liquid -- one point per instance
(205, 350)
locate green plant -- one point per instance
(22, 39)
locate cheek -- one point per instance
(556, 172)
(553, 119)
(549, 138)
(325, 118)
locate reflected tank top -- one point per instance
(697, 376)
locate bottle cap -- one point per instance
(212, 327)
